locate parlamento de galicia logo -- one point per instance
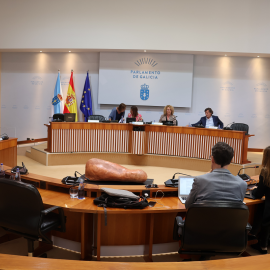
(261, 87)
(144, 93)
(36, 80)
(145, 74)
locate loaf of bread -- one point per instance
(98, 170)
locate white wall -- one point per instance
(237, 89)
(189, 25)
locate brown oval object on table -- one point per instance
(98, 170)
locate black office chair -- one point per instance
(240, 127)
(22, 213)
(214, 228)
(96, 117)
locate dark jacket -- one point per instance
(216, 121)
(258, 193)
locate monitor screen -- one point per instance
(131, 119)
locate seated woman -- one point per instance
(168, 115)
(134, 114)
(118, 112)
(262, 215)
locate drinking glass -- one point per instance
(73, 192)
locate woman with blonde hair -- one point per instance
(167, 115)
(262, 215)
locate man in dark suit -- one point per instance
(219, 184)
(209, 120)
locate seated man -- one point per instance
(209, 120)
(219, 184)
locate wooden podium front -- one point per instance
(8, 152)
(189, 142)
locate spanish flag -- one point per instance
(71, 104)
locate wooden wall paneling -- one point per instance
(73, 227)
(86, 236)
(123, 229)
(148, 248)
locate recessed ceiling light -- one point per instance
(69, 51)
(144, 50)
(225, 55)
(258, 56)
(40, 51)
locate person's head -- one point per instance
(168, 110)
(122, 107)
(208, 112)
(222, 155)
(134, 111)
(266, 166)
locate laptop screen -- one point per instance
(185, 185)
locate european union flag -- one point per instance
(86, 102)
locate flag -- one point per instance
(86, 102)
(71, 104)
(57, 101)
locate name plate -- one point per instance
(93, 121)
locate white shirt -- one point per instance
(209, 122)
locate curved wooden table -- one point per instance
(125, 227)
(13, 262)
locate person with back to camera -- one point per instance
(167, 115)
(118, 112)
(134, 114)
(219, 183)
(262, 215)
(209, 120)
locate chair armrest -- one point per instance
(48, 210)
(61, 216)
(248, 227)
(179, 221)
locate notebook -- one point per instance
(184, 187)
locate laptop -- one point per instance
(167, 123)
(184, 187)
(69, 117)
(131, 119)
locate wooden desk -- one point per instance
(125, 227)
(191, 142)
(13, 262)
(8, 152)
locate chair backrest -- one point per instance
(96, 117)
(20, 207)
(216, 226)
(240, 127)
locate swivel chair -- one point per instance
(240, 127)
(22, 213)
(96, 117)
(213, 228)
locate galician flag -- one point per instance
(86, 102)
(71, 104)
(57, 101)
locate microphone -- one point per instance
(228, 128)
(4, 136)
(244, 176)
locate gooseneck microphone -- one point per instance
(244, 176)
(228, 128)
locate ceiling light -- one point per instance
(144, 50)
(40, 51)
(69, 51)
(258, 56)
(225, 55)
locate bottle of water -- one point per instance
(2, 171)
(18, 175)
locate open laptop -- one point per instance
(184, 187)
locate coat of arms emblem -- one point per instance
(144, 93)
